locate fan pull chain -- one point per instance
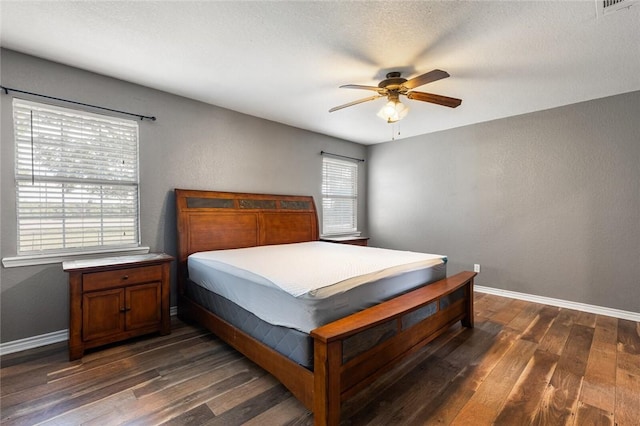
(393, 130)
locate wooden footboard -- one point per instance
(349, 354)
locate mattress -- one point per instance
(305, 285)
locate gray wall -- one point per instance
(548, 203)
(192, 145)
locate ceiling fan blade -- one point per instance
(360, 86)
(434, 99)
(429, 77)
(359, 101)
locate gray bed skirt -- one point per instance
(293, 344)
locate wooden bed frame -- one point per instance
(350, 353)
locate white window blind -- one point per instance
(76, 180)
(339, 196)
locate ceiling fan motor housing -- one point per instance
(392, 82)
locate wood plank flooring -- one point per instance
(523, 364)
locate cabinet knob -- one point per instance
(125, 277)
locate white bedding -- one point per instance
(305, 285)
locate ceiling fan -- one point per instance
(394, 86)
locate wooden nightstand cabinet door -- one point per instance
(143, 306)
(103, 313)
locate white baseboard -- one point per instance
(34, 342)
(599, 310)
(45, 339)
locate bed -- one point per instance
(334, 360)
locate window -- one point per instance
(339, 196)
(76, 180)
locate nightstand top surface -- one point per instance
(343, 238)
(72, 265)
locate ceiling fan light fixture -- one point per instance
(393, 111)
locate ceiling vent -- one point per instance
(609, 6)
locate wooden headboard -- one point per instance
(211, 220)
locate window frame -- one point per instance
(102, 248)
(340, 193)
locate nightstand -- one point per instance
(116, 298)
(354, 241)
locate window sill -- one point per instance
(40, 259)
(342, 235)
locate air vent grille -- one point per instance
(607, 6)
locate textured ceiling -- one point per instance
(284, 61)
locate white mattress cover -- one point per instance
(305, 285)
(315, 268)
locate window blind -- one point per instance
(339, 196)
(76, 179)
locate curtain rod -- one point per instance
(342, 156)
(142, 117)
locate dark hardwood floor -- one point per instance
(523, 364)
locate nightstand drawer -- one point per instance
(121, 277)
